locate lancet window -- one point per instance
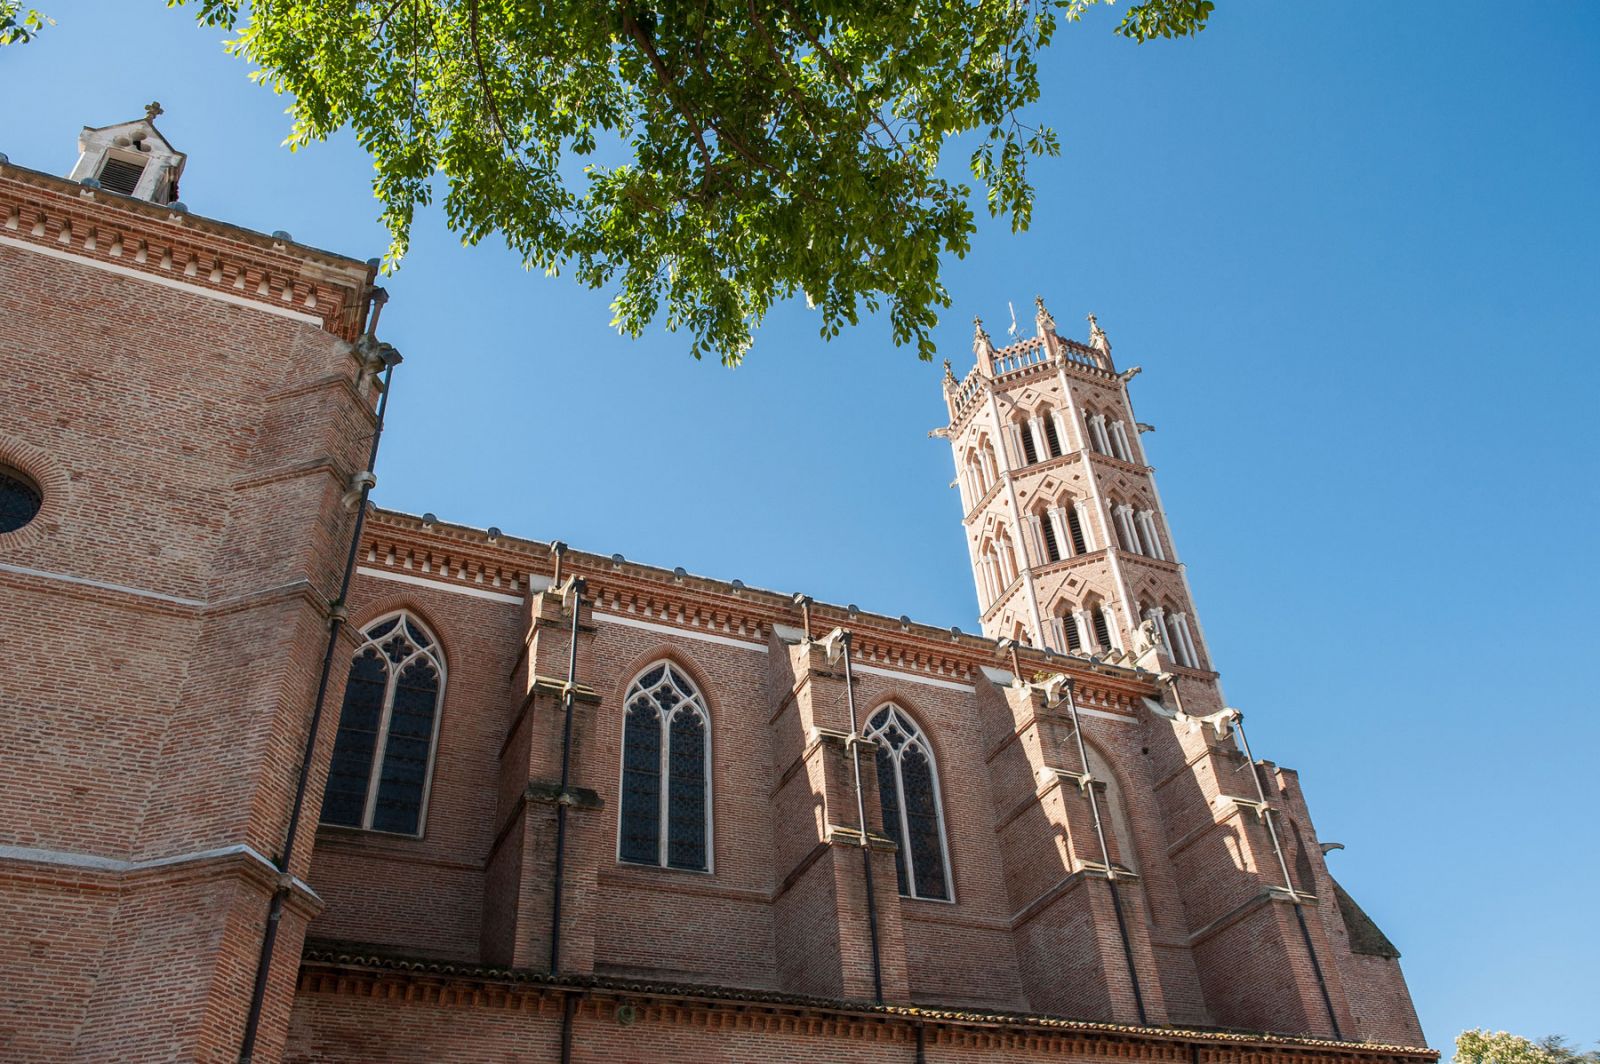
(1052, 434)
(908, 791)
(1029, 445)
(1119, 441)
(388, 726)
(665, 817)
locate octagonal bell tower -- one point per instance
(1069, 545)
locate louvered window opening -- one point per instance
(20, 499)
(120, 175)
(1029, 452)
(1075, 528)
(382, 753)
(1102, 632)
(1069, 625)
(1051, 439)
(666, 736)
(908, 794)
(1047, 527)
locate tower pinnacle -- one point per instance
(1042, 317)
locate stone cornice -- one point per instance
(62, 218)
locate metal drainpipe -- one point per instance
(569, 1008)
(1283, 865)
(861, 819)
(391, 359)
(563, 799)
(922, 1044)
(1105, 854)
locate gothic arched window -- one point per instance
(383, 752)
(908, 790)
(666, 780)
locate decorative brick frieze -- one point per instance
(161, 243)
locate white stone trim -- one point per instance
(930, 681)
(1085, 711)
(23, 570)
(440, 585)
(685, 633)
(97, 863)
(168, 282)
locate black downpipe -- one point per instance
(563, 799)
(1283, 865)
(1105, 855)
(861, 819)
(922, 1045)
(569, 1008)
(252, 1023)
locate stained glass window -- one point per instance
(665, 740)
(908, 792)
(381, 755)
(20, 499)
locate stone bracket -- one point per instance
(548, 793)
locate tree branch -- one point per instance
(483, 79)
(668, 85)
(838, 69)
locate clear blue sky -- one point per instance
(1356, 248)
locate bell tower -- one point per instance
(1071, 553)
(1069, 545)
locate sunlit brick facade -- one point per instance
(1066, 859)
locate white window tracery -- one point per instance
(664, 816)
(388, 728)
(913, 815)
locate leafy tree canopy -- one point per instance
(1482, 1047)
(702, 158)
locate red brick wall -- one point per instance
(192, 453)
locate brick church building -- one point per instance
(288, 777)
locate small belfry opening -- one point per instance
(131, 159)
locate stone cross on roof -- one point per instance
(152, 109)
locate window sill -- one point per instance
(643, 869)
(345, 831)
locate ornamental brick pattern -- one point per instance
(196, 434)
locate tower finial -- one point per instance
(980, 337)
(983, 347)
(152, 109)
(1042, 318)
(1097, 337)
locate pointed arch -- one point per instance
(382, 764)
(1050, 546)
(1121, 822)
(1052, 432)
(909, 797)
(1066, 618)
(1022, 428)
(664, 812)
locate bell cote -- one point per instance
(130, 158)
